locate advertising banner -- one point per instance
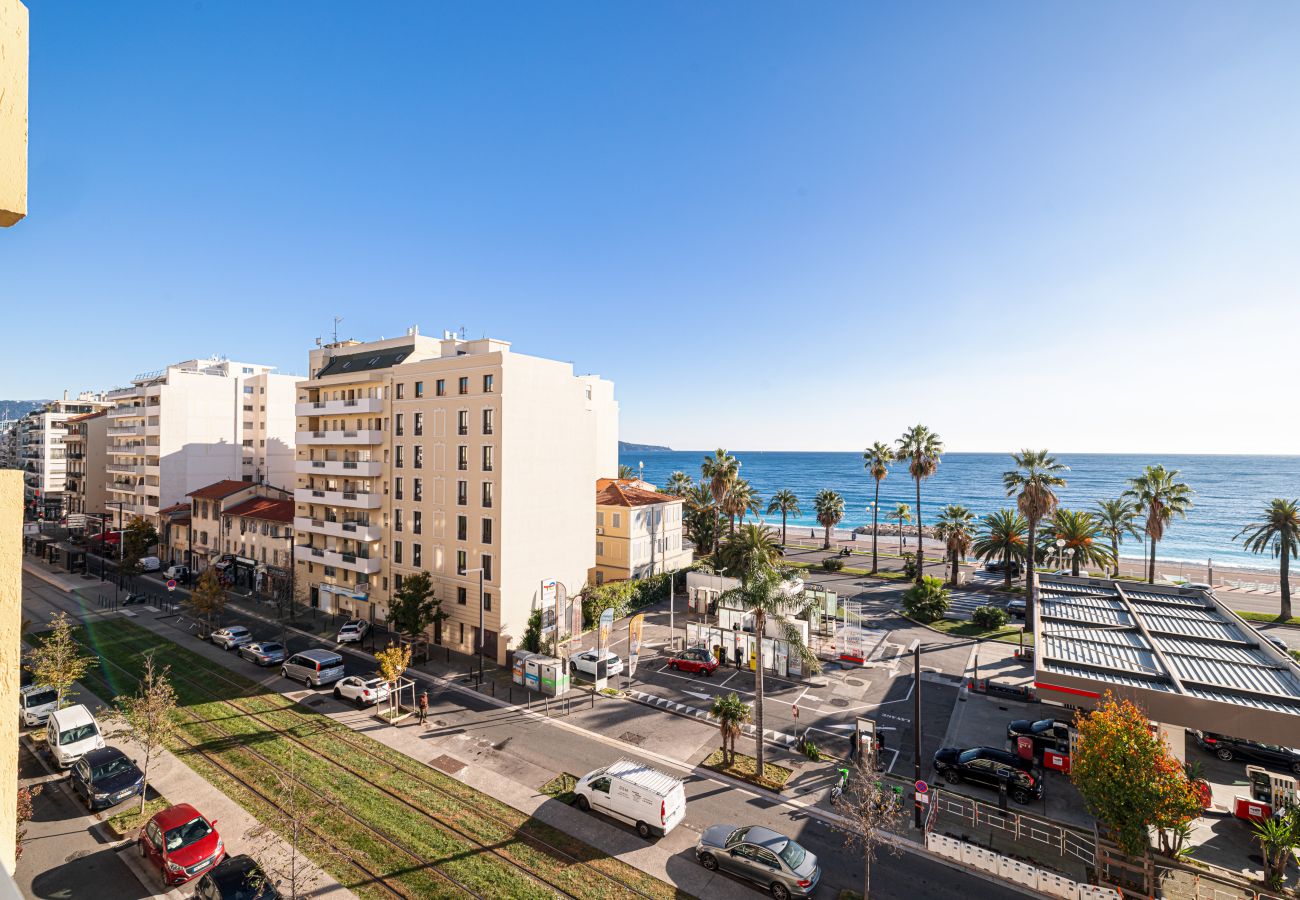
(634, 626)
(602, 641)
(548, 605)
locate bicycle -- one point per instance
(841, 785)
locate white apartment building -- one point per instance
(195, 423)
(41, 436)
(447, 456)
(86, 446)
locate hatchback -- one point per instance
(695, 660)
(1227, 748)
(352, 631)
(586, 663)
(361, 691)
(987, 766)
(181, 843)
(264, 653)
(232, 637)
(106, 777)
(760, 855)
(236, 878)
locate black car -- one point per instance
(1047, 734)
(106, 777)
(1226, 748)
(985, 765)
(236, 878)
(1000, 566)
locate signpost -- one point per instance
(171, 584)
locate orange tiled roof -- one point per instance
(175, 507)
(84, 416)
(613, 492)
(267, 508)
(220, 489)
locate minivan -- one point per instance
(36, 702)
(634, 792)
(150, 564)
(314, 667)
(71, 733)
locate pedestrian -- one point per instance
(424, 708)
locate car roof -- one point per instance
(234, 870)
(176, 815)
(72, 715)
(766, 838)
(33, 688)
(320, 655)
(103, 755)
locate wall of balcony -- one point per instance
(353, 499)
(347, 438)
(367, 564)
(368, 469)
(340, 407)
(351, 530)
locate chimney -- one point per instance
(65, 393)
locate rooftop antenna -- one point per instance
(462, 332)
(337, 320)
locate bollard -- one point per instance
(494, 688)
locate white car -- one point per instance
(361, 691)
(585, 663)
(352, 631)
(232, 637)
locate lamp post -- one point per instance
(121, 544)
(480, 621)
(1060, 546)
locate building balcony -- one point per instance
(368, 565)
(121, 430)
(121, 487)
(353, 438)
(367, 469)
(352, 499)
(127, 412)
(120, 469)
(352, 530)
(340, 407)
(153, 470)
(125, 393)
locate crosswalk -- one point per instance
(963, 603)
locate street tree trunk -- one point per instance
(1114, 549)
(875, 561)
(956, 562)
(782, 529)
(1286, 583)
(1006, 571)
(760, 626)
(920, 537)
(826, 541)
(1031, 584)
(1151, 563)
(866, 875)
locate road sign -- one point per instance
(922, 787)
(171, 584)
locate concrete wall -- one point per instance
(198, 439)
(95, 446)
(13, 117)
(11, 582)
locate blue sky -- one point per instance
(774, 226)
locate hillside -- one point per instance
(16, 409)
(628, 447)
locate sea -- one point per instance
(1230, 491)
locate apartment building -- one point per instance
(195, 423)
(219, 536)
(638, 531)
(86, 446)
(41, 436)
(449, 456)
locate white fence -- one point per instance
(1015, 871)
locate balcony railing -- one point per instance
(353, 562)
(363, 437)
(361, 469)
(127, 412)
(339, 407)
(355, 499)
(125, 430)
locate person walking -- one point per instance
(424, 708)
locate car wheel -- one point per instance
(1223, 753)
(709, 861)
(284, 673)
(1020, 796)
(644, 830)
(708, 673)
(672, 664)
(1295, 767)
(338, 695)
(952, 776)
(583, 804)
(361, 703)
(779, 891)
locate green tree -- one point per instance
(956, 528)
(731, 713)
(414, 607)
(532, 639)
(902, 514)
(739, 501)
(139, 538)
(927, 600)
(752, 545)
(702, 519)
(876, 459)
(1031, 483)
(149, 716)
(208, 599)
(626, 472)
(1117, 518)
(1278, 838)
(679, 484)
(922, 449)
(1277, 527)
(1002, 538)
(1158, 495)
(829, 507)
(1083, 536)
(57, 660)
(787, 504)
(719, 472)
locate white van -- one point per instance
(150, 564)
(634, 792)
(72, 733)
(35, 703)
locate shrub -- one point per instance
(532, 639)
(927, 601)
(909, 565)
(989, 616)
(832, 564)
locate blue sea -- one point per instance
(1230, 490)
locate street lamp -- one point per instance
(1060, 545)
(480, 620)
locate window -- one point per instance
(462, 422)
(397, 488)
(419, 389)
(442, 387)
(415, 555)
(462, 457)
(462, 493)
(600, 548)
(487, 383)
(397, 425)
(248, 407)
(419, 456)
(462, 528)
(618, 520)
(400, 390)
(461, 564)
(398, 455)
(397, 519)
(461, 596)
(248, 389)
(397, 583)
(486, 562)
(487, 495)
(487, 601)
(248, 442)
(463, 384)
(600, 519)
(419, 424)
(416, 522)
(487, 421)
(487, 531)
(487, 459)
(397, 552)
(417, 489)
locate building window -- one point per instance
(618, 520)
(487, 421)
(442, 387)
(419, 389)
(487, 601)
(486, 562)
(417, 524)
(417, 489)
(397, 520)
(400, 390)
(397, 425)
(462, 493)
(600, 519)
(461, 563)
(397, 552)
(398, 456)
(419, 424)
(462, 458)
(462, 422)
(418, 462)
(248, 389)
(397, 488)
(487, 495)
(463, 384)
(600, 548)
(462, 596)
(488, 383)
(415, 555)
(487, 531)
(462, 528)
(487, 459)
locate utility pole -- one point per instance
(916, 723)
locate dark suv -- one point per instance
(985, 765)
(1227, 748)
(1000, 567)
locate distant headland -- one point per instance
(627, 447)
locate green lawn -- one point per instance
(1266, 618)
(1009, 634)
(745, 769)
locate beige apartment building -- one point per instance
(638, 531)
(448, 456)
(86, 446)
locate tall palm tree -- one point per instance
(922, 449)
(762, 594)
(787, 504)
(1031, 483)
(701, 518)
(829, 507)
(956, 528)
(1279, 525)
(751, 545)
(731, 713)
(1002, 538)
(1159, 496)
(720, 472)
(876, 459)
(902, 514)
(739, 501)
(1117, 519)
(1082, 533)
(678, 484)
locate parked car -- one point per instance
(632, 791)
(1000, 567)
(985, 765)
(761, 855)
(236, 878)
(586, 663)
(180, 573)
(352, 631)
(314, 668)
(695, 660)
(71, 733)
(231, 637)
(106, 777)
(35, 703)
(1228, 748)
(361, 691)
(264, 653)
(1016, 608)
(150, 564)
(181, 843)
(1278, 643)
(1047, 734)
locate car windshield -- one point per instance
(968, 756)
(793, 854)
(271, 648)
(248, 885)
(40, 698)
(78, 733)
(736, 836)
(1043, 725)
(111, 768)
(195, 829)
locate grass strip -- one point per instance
(1009, 634)
(561, 787)
(745, 768)
(1266, 618)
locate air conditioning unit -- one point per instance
(599, 530)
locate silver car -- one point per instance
(761, 855)
(231, 637)
(264, 653)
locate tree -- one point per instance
(753, 545)
(1116, 518)
(532, 639)
(829, 507)
(1277, 527)
(1129, 778)
(1082, 534)
(719, 472)
(731, 713)
(762, 593)
(291, 822)
(1002, 538)
(739, 501)
(393, 661)
(679, 484)
(702, 519)
(1031, 483)
(902, 514)
(57, 660)
(138, 537)
(625, 472)
(787, 504)
(956, 528)
(922, 449)
(148, 715)
(414, 607)
(1159, 496)
(876, 459)
(869, 810)
(1278, 837)
(208, 598)
(927, 600)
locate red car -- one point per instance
(696, 660)
(181, 843)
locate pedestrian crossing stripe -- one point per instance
(692, 712)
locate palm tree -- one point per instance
(731, 713)
(762, 594)
(1082, 533)
(751, 545)
(1116, 518)
(829, 507)
(902, 514)
(1159, 496)
(922, 449)
(1278, 527)
(739, 501)
(876, 459)
(701, 518)
(1031, 482)
(626, 472)
(956, 527)
(787, 504)
(1003, 538)
(678, 484)
(719, 471)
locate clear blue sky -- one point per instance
(773, 225)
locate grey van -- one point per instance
(36, 702)
(314, 667)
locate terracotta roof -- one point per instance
(266, 508)
(175, 507)
(612, 492)
(84, 416)
(220, 490)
